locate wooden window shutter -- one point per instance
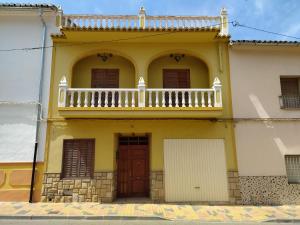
(105, 78)
(78, 158)
(289, 86)
(176, 78)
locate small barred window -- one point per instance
(292, 163)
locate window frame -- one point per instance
(62, 174)
(283, 98)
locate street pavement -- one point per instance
(125, 222)
(156, 213)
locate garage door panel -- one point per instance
(195, 170)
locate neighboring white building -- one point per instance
(267, 126)
(22, 28)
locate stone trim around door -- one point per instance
(268, 190)
(102, 188)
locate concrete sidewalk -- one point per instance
(9, 210)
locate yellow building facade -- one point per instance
(138, 108)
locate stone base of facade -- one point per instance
(102, 188)
(157, 192)
(268, 190)
(157, 188)
(234, 188)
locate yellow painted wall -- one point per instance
(141, 55)
(199, 77)
(82, 70)
(105, 131)
(17, 179)
(214, 53)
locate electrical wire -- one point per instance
(237, 24)
(234, 24)
(101, 42)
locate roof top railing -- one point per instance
(143, 21)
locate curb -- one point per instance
(81, 218)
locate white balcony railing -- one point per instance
(143, 21)
(139, 97)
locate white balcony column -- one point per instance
(62, 92)
(224, 22)
(142, 18)
(141, 92)
(217, 92)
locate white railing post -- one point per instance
(142, 18)
(62, 92)
(141, 92)
(217, 92)
(224, 22)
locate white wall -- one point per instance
(19, 82)
(255, 79)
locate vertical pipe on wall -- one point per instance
(39, 106)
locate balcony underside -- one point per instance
(141, 112)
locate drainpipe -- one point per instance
(39, 106)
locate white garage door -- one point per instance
(195, 170)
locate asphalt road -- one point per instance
(119, 222)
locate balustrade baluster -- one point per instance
(119, 98)
(99, 98)
(176, 99)
(106, 22)
(202, 99)
(209, 98)
(93, 99)
(113, 99)
(132, 99)
(85, 99)
(196, 99)
(72, 99)
(183, 98)
(135, 22)
(190, 98)
(150, 99)
(160, 24)
(66, 21)
(79, 99)
(156, 99)
(172, 23)
(100, 22)
(126, 99)
(106, 99)
(170, 99)
(163, 101)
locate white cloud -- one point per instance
(259, 6)
(293, 30)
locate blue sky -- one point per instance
(281, 16)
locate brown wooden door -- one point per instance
(176, 78)
(105, 78)
(133, 171)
